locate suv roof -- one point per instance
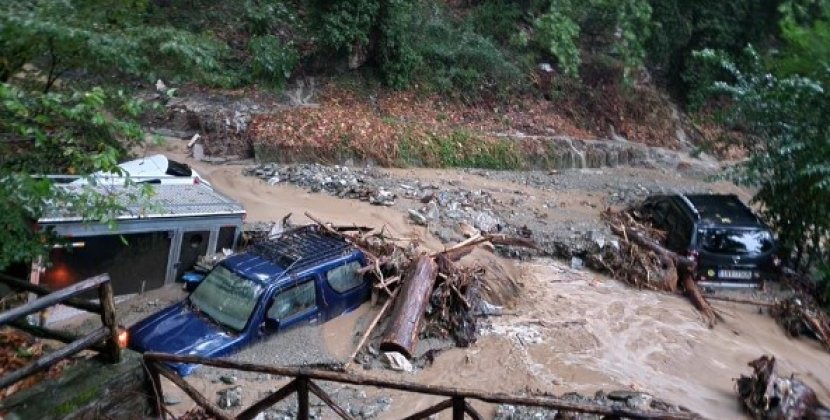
(721, 209)
(302, 248)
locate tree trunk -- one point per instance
(402, 333)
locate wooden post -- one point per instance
(108, 319)
(155, 387)
(302, 397)
(458, 408)
(402, 332)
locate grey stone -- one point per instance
(229, 397)
(274, 180)
(198, 151)
(417, 217)
(577, 263)
(486, 223)
(227, 379)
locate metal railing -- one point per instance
(103, 339)
(302, 384)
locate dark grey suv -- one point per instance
(732, 246)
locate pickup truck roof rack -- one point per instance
(302, 248)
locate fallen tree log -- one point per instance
(402, 331)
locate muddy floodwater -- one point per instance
(568, 330)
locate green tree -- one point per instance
(790, 161)
(57, 36)
(617, 29)
(57, 133)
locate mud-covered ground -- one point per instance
(569, 330)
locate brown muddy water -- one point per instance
(568, 330)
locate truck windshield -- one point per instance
(226, 297)
(737, 241)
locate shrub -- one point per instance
(272, 60)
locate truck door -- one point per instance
(296, 305)
(344, 289)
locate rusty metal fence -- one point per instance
(302, 384)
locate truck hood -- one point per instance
(179, 330)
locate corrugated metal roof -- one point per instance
(166, 201)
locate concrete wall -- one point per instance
(88, 389)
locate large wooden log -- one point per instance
(402, 333)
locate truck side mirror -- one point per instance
(269, 326)
(191, 280)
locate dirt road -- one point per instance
(572, 330)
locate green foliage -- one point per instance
(272, 60)
(344, 25)
(497, 20)
(79, 132)
(457, 60)
(806, 48)
(612, 28)
(264, 16)
(681, 26)
(788, 117)
(558, 31)
(460, 149)
(397, 54)
(59, 36)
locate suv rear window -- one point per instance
(737, 241)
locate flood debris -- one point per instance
(18, 349)
(642, 261)
(766, 395)
(800, 315)
(431, 295)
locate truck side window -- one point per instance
(293, 300)
(345, 278)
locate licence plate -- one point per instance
(735, 274)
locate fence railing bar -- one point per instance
(490, 397)
(209, 407)
(252, 411)
(16, 283)
(472, 411)
(52, 298)
(437, 408)
(323, 396)
(63, 337)
(155, 384)
(55, 357)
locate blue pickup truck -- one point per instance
(303, 277)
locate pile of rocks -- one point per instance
(339, 181)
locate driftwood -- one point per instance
(677, 270)
(402, 333)
(800, 315)
(768, 396)
(371, 327)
